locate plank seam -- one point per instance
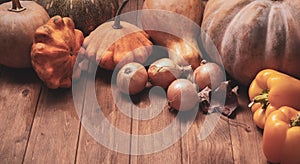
(80, 125)
(32, 122)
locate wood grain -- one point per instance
(246, 146)
(55, 129)
(89, 149)
(19, 93)
(216, 148)
(152, 143)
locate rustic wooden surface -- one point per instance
(40, 125)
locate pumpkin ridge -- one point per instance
(46, 50)
(225, 18)
(251, 41)
(106, 59)
(276, 36)
(139, 51)
(233, 38)
(292, 31)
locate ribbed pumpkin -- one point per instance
(183, 50)
(86, 14)
(54, 51)
(116, 43)
(255, 34)
(17, 27)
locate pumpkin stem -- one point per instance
(117, 24)
(16, 6)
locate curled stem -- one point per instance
(117, 24)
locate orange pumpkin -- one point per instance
(54, 51)
(253, 35)
(116, 43)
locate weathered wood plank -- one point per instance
(149, 146)
(215, 148)
(55, 129)
(19, 93)
(247, 146)
(90, 149)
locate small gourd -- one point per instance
(54, 51)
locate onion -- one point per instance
(132, 78)
(182, 95)
(164, 71)
(208, 75)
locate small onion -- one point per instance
(132, 78)
(164, 71)
(182, 95)
(208, 75)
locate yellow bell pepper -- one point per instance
(270, 90)
(281, 137)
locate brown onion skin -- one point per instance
(163, 72)
(182, 90)
(132, 78)
(208, 73)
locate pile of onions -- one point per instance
(132, 78)
(181, 93)
(164, 71)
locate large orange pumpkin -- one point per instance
(255, 34)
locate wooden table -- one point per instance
(40, 125)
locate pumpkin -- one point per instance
(86, 14)
(253, 35)
(54, 51)
(183, 50)
(116, 43)
(18, 22)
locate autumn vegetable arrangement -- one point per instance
(257, 42)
